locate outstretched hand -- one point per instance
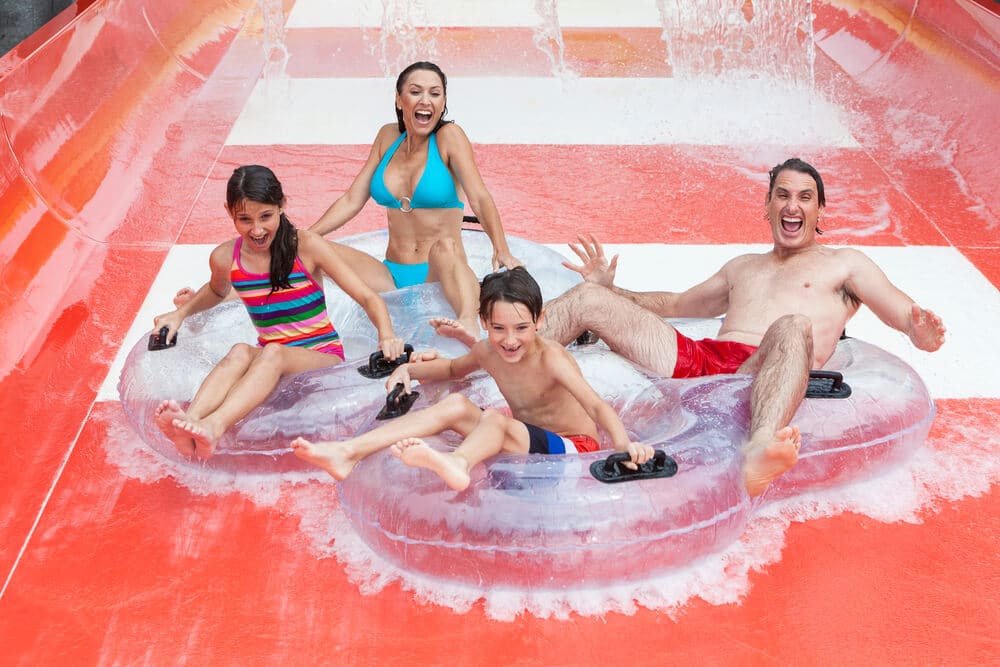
(401, 374)
(171, 320)
(595, 268)
(392, 347)
(926, 329)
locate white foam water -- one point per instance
(960, 463)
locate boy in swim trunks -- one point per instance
(554, 409)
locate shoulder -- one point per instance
(451, 135)
(223, 252)
(387, 134)
(554, 356)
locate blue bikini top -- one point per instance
(436, 188)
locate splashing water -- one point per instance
(548, 37)
(275, 51)
(739, 38)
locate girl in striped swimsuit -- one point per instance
(271, 264)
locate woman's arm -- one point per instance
(354, 199)
(457, 152)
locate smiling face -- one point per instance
(256, 223)
(511, 330)
(793, 209)
(421, 101)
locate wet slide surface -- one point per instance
(123, 120)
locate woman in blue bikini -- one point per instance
(416, 168)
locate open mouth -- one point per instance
(791, 224)
(423, 116)
(260, 242)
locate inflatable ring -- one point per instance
(545, 523)
(329, 403)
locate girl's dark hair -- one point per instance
(510, 286)
(259, 184)
(401, 80)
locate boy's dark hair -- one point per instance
(401, 80)
(803, 167)
(511, 286)
(256, 183)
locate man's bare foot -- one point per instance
(166, 413)
(332, 457)
(183, 295)
(765, 461)
(450, 328)
(450, 467)
(204, 435)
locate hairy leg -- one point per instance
(450, 267)
(338, 457)
(267, 366)
(494, 433)
(635, 333)
(781, 375)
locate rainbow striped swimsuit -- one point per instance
(294, 316)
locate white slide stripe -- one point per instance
(465, 13)
(548, 110)
(966, 367)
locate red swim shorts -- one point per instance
(696, 358)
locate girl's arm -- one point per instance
(457, 152)
(565, 371)
(209, 295)
(315, 251)
(354, 199)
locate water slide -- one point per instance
(647, 122)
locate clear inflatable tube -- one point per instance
(543, 523)
(539, 522)
(325, 404)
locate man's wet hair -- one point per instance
(803, 167)
(514, 286)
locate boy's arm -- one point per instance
(567, 373)
(435, 369)
(869, 283)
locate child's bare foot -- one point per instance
(166, 413)
(450, 467)
(332, 457)
(204, 435)
(183, 295)
(449, 328)
(765, 461)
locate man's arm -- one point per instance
(869, 283)
(707, 299)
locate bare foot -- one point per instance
(166, 413)
(332, 457)
(767, 460)
(450, 467)
(450, 328)
(204, 436)
(183, 295)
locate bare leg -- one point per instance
(373, 272)
(449, 266)
(338, 458)
(494, 433)
(638, 334)
(781, 369)
(166, 413)
(267, 366)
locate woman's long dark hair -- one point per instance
(256, 183)
(401, 79)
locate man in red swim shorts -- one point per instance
(784, 313)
